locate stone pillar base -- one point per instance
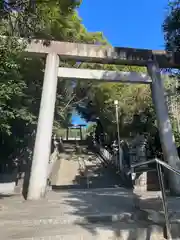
(147, 181)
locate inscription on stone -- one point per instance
(129, 54)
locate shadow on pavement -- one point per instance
(105, 204)
(100, 206)
(106, 201)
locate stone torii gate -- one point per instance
(153, 60)
(77, 127)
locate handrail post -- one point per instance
(160, 164)
(164, 201)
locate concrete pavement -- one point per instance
(102, 209)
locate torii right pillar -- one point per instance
(164, 126)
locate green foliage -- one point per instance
(134, 100)
(15, 115)
(173, 98)
(21, 78)
(12, 86)
(91, 128)
(176, 136)
(171, 26)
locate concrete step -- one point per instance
(150, 205)
(130, 231)
(84, 214)
(72, 202)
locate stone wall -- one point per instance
(53, 158)
(8, 183)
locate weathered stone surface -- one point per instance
(103, 75)
(7, 188)
(93, 231)
(100, 212)
(104, 54)
(148, 181)
(92, 215)
(150, 206)
(76, 214)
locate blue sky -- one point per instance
(76, 119)
(126, 23)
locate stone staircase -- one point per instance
(87, 201)
(75, 214)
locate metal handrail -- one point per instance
(157, 161)
(160, 164)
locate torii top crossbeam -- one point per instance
(105, 54)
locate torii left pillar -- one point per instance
(38, 176)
